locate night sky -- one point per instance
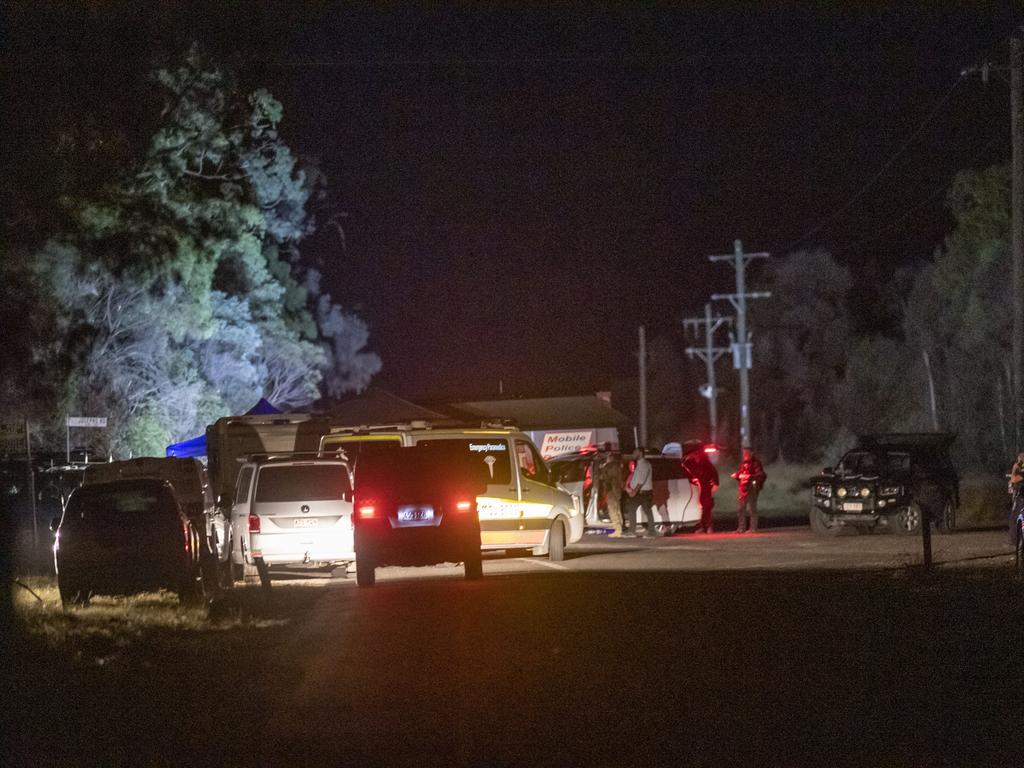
(523, 187)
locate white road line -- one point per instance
(545, 563)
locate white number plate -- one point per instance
(306, 522)
(415, 514)
(853, 506)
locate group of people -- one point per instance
(637, 490)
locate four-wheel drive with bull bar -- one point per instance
(891, 482)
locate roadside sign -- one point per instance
(557, 443)
(12, 436)
(87, 421)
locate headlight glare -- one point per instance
(841, 492)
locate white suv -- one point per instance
(521, 510)
(291, 512)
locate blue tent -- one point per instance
(190, 449)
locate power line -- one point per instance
(908, 213)
(881, 172)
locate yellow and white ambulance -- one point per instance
(521, 510)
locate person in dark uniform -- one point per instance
(750, 477)
(611, 478)
(1016, 488)
(702, 473)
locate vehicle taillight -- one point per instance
(184, 530)
(254, 523)
(710, 449)
(367, 509)
(463, 506)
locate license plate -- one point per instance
(306, 522)
(853, 506)
(415, 514)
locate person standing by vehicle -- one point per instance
(702, 473)
(1016, 489)
(750, 477)
(640, 489)
(610, 477)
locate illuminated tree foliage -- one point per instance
(802, 343)
(178, 292)
(959, 314)
(817, 384)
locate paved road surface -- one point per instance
(774, 650)
(775, 549)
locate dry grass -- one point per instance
(110, 626)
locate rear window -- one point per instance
(302, 482)
(121, 504)
(434, 463)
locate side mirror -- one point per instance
(55, 524)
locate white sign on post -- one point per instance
(12, 436)
(558, 443)
(99, 422)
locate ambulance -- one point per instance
(521, 511)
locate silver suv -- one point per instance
(290, 511)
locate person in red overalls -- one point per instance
(750, 476)
(702, 473)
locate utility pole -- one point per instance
(742, 349)
(1017, 225)
(709, 353)
(643, 386)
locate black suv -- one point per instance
(418, 506)
(889, 482)
(126, 536)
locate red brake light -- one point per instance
(710, 449)
(367, 510)
(254, 523)
(463, 506)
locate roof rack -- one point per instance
(333, 455)
(408, 426)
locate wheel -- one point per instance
(907, 521)
(1019, 549)
(366, 571)
(556, 542)
(191, 591)
(263, 571)
(474, 566)
(946, 521)
(823, 524)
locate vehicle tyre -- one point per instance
(556, 542)
(366, 572)
(474, 566)
(907, 521)
(946, 521)
(190, 591)
(823, 524)
(263, 571)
